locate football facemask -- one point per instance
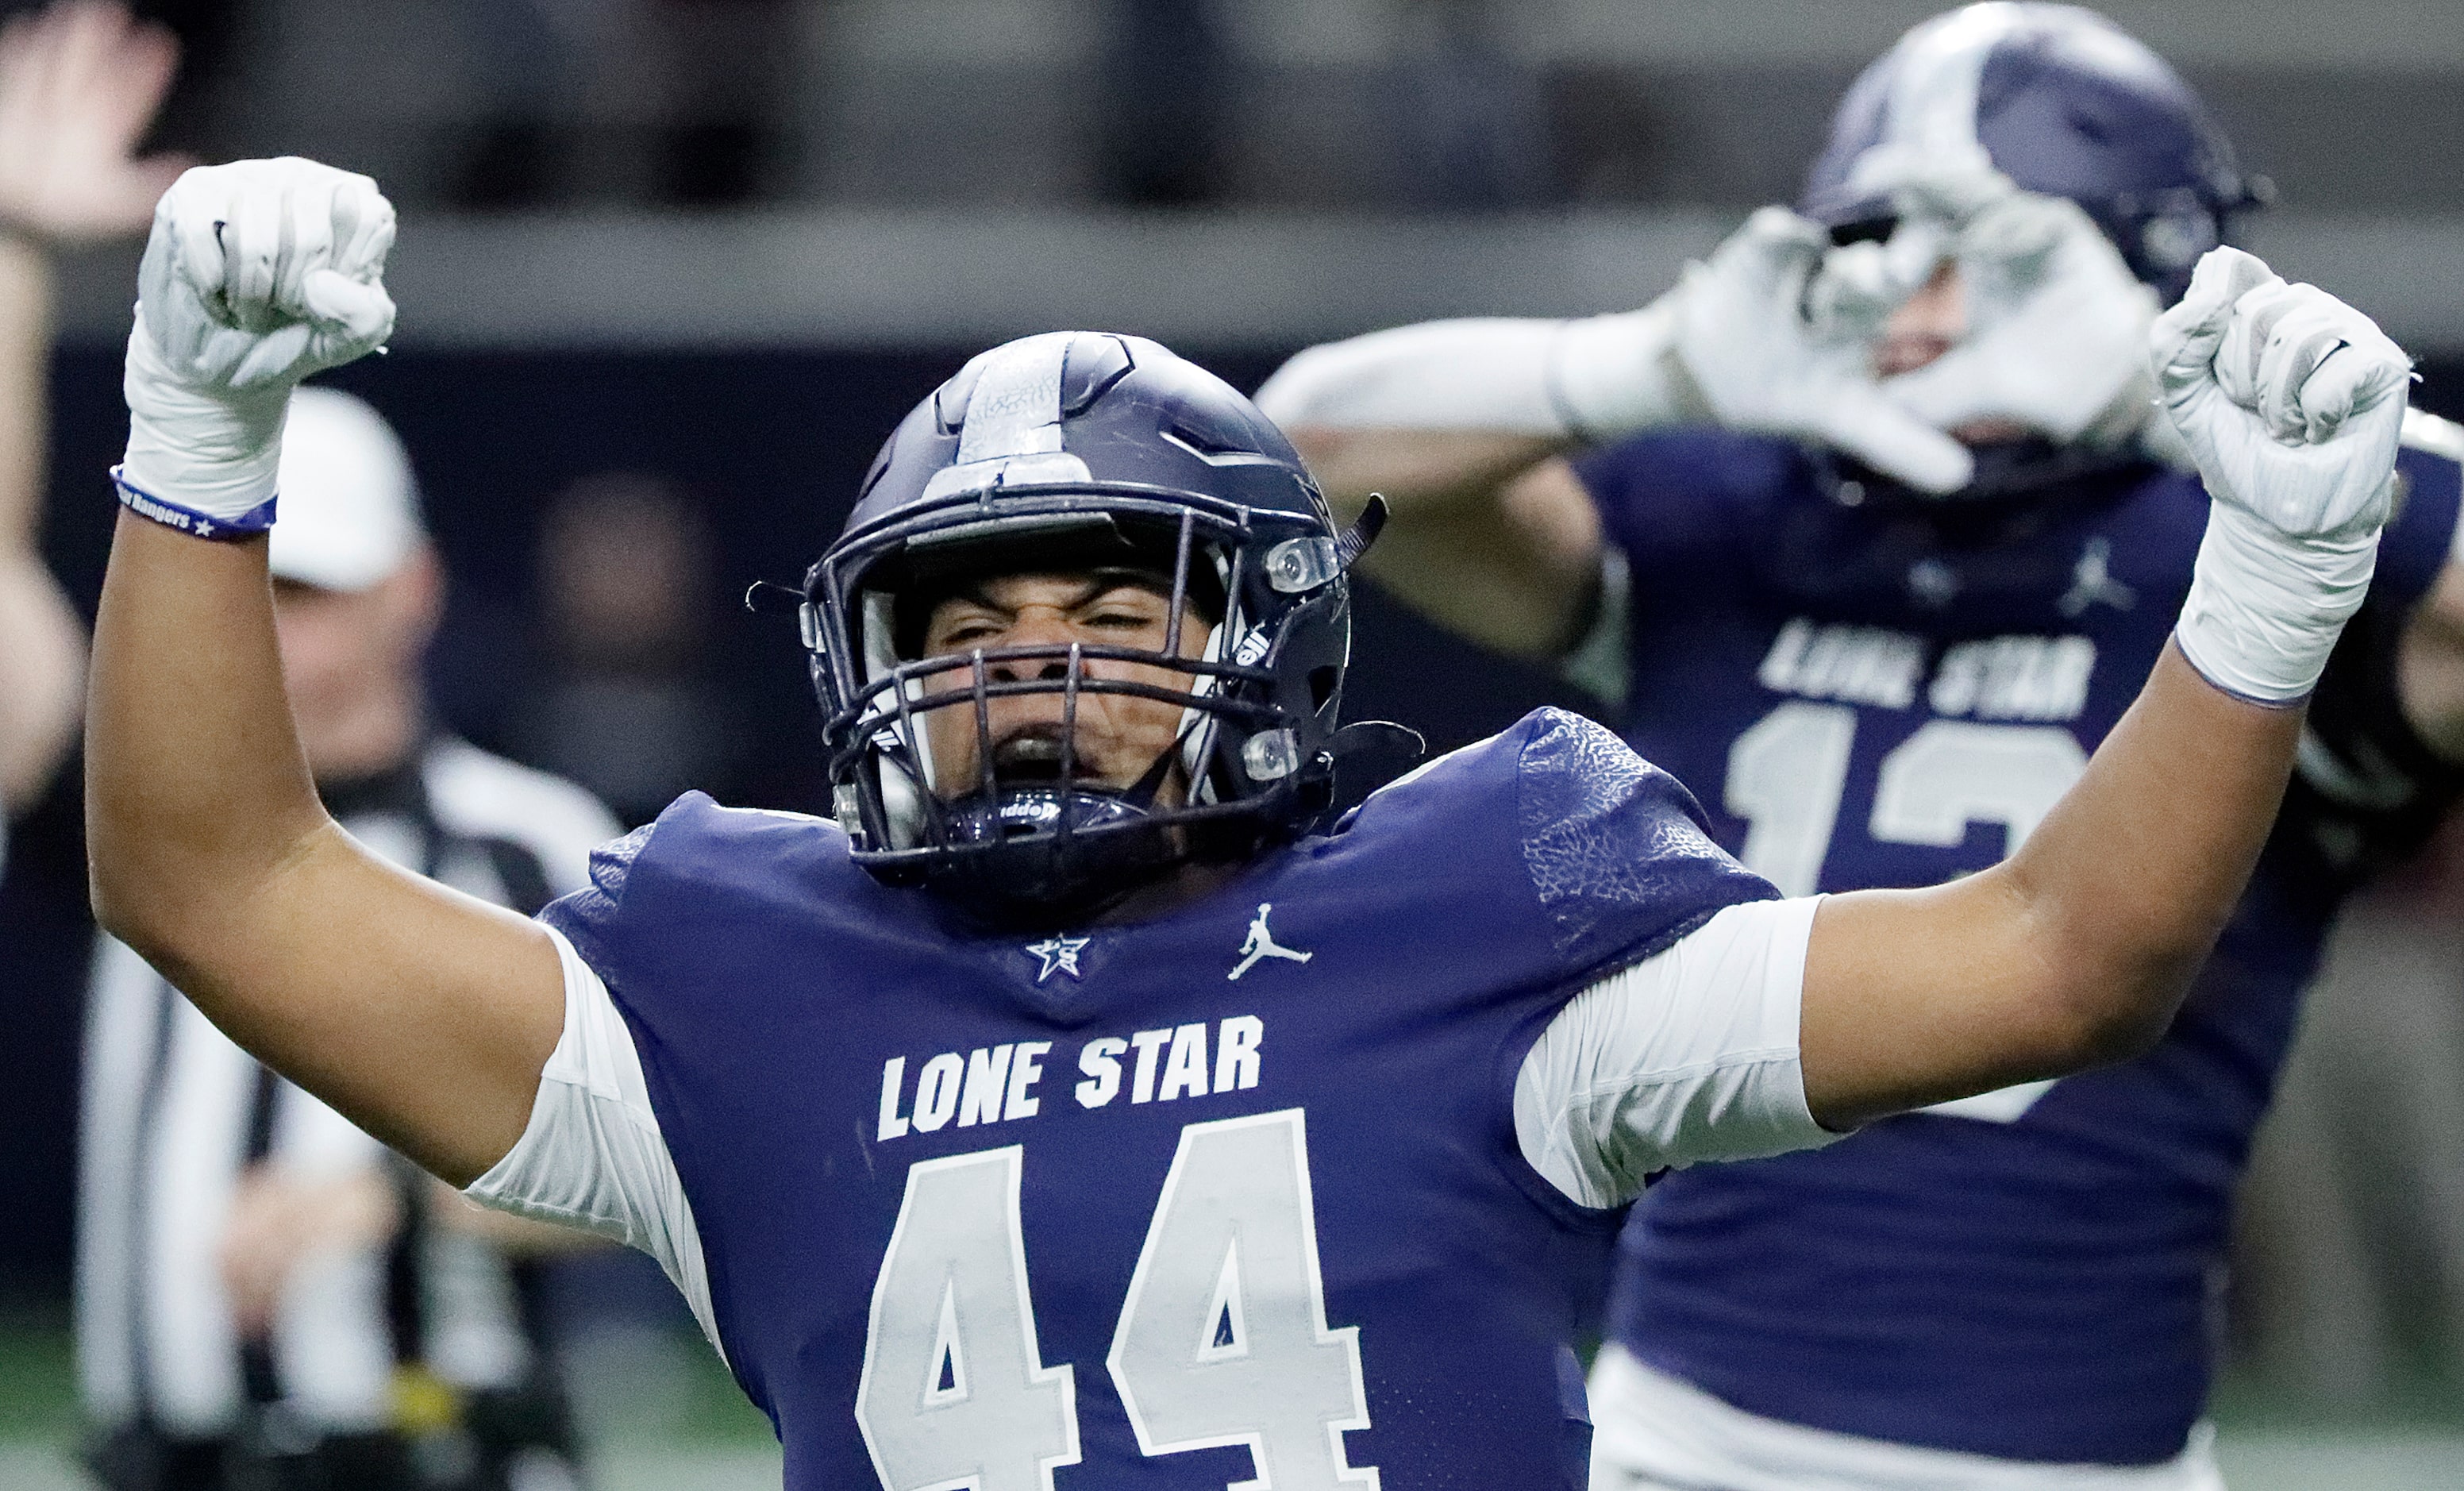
(1181, 483)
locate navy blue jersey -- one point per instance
(1878, 695)
(1133, 1204)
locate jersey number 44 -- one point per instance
(1222, 1339)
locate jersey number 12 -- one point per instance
(1787, 772)
(1222, 1341)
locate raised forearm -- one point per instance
(1448, 413)
(1456, 424)
(45, 653)
(42, 664)
(1426, 475)
(196, 790)
(2074, 952)
(2079, 948)
(420, 1013)
(2129, 879)
(25, 363)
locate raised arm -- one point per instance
(422, 1015)
(2078, 949)
(78, 86)
(45, 652)
(1459, 423)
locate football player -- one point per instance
(1076, 1099)
(1883, 622)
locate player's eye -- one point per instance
(969, 631)
(1131, 610)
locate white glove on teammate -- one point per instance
(257, 275)
(2058, 327)
(1750, 340)
(2292, 403)
(1762, 363)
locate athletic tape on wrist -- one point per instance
(2264, 609)
(188, 519)
(2190, 654)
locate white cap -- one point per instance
(348, 508)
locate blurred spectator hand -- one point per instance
(80, 83)
(280, 1221)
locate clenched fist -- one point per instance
(2290, 399)
(2292, 403)
(257, 275)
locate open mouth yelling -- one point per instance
(1033, 754)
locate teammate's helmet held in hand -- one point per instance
(1080, 454)
(2065, 103)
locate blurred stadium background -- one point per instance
(669, 268)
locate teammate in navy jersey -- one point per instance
(1883, 654)
(1078, 1109)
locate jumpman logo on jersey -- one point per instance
(1060, 956)
(1261, 945)
(2092, 581)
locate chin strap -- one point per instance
(1142, 792)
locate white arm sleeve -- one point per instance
(592, 1156)
(1597, 378)
(1691, 1055)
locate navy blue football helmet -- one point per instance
(2066, 103)
(1065, 453)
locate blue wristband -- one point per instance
(189, 520)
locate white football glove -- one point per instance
(2291, 401)
(2058, 327)
(257, 275)
(1764, 357)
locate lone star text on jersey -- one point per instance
(998, 1084)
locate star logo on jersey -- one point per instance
(1260, 945)
(2092, 581)
(1060, 956)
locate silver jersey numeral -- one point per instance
(1223, 1337)
(1222, 1341)
(955, 1392)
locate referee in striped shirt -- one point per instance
(266, 1296)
